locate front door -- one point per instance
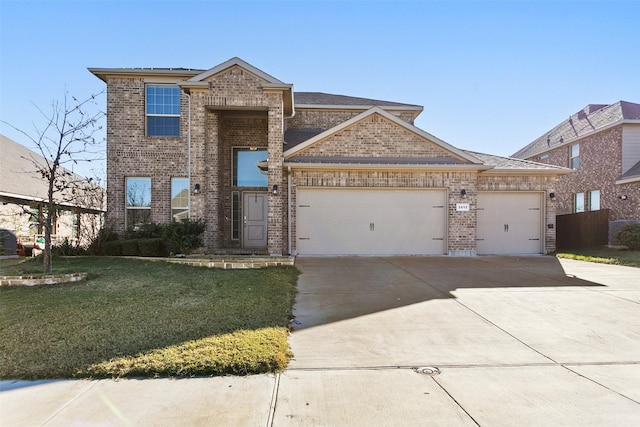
(254, 219)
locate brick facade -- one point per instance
(600, 167)
(241, 107)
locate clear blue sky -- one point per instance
(492, 76)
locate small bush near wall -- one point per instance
(129, 247)
(629, 235)
(151, 247)
(112, 248)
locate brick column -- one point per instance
(277, 202)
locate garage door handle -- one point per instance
(506, 228)
(372, 226)
(304, 238)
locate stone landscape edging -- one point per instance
(35, 280)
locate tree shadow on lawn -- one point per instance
(200, 321)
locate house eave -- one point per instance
(26, 199)
(629, 180)
(386, 166)
(573, 140)
(178, 74)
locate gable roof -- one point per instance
(239, 62)
(317, 99)
(19, 179)
(377, 110)
(591, 119)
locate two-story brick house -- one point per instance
(602, 144)
(280, 172)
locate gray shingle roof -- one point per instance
(293, 137)
(19, 176)
(591, 118)
(500, 162)
(633, 172)
(319, 98)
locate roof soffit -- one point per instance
(401, 123)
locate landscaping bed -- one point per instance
(135, 317)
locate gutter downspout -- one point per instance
(289, 208)
(189, 152)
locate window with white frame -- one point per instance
(179, 199)
(163, 110)
(594, 200)
(578, 205)
(574, 162)
(138, 201)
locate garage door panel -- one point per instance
(509, 223)
(370, 222)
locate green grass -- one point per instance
(604, 255)
(145, 318)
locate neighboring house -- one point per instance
(602, 144)
(23, 197)
(308, 173)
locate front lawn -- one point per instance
(145, 318)
(604, 255)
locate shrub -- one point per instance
(67, 249)
(151, 247)
(148, 230)
(112, 248)
(130, 247)
(97, 245)
(629, 235)
(185, 236)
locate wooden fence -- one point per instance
(582, 230)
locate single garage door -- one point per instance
(509, 223)
(370, 222)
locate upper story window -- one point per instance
(574, 162)
(163, 110)
(245, 169)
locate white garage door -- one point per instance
(509, 223)
(370, 222)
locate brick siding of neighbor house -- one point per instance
(600, 167)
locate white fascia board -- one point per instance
(27, 199)
(230, 63)
(629, 180)
(104, 73)
(386, 166)
(391, 117)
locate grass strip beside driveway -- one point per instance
(603, 255)
(145, 318)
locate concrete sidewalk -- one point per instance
(518, 341)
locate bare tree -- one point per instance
(68, 137)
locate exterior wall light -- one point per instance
(552, 197)
(196, 189)
(463, 193)
(274, 190)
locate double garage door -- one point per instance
(411, 222)
(371, 222)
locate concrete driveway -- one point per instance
(518, 342)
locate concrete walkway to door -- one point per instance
(518, 341)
